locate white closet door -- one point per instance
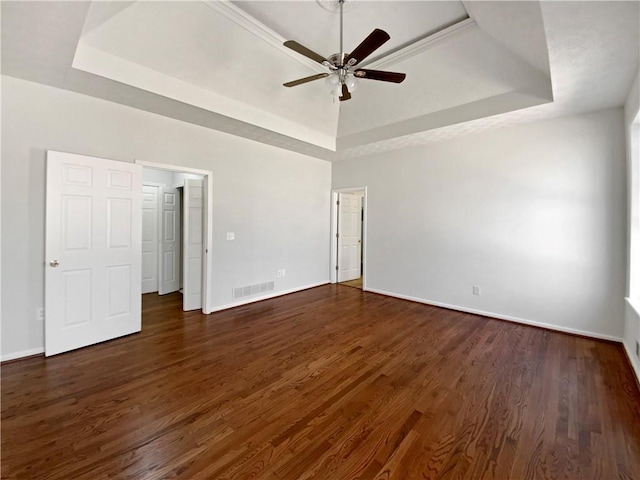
(169, 261)
(93, 251)
(349, 233)
(150, 198)
(193, 245)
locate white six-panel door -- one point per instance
(349, 237)
(193, 245)
(150, 197)
(93, 251)
(169, 262)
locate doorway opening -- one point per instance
(176, 233)
(348, 237)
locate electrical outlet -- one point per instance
(279, 273)
(231, 236)
(476, 290)
(40, 314)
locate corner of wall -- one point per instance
(632, 335)
(632, 310)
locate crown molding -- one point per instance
(264, 33)
(420, 46)
(259, 30)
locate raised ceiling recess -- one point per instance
(455, 71)
(221, 64)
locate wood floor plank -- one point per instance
(329, 383)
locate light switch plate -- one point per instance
(231, 236)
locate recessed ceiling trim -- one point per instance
(259, 30)
(109, 66)
(422, 45)
(537, 93)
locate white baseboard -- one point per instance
(524, 321)
(635, 366)
(265, 297)
(24, 353)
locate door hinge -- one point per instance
(336, 268)
(337, 235)
(338, 202)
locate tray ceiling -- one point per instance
(222, 64)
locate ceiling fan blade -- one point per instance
(300, 81)
(345, 93)
(380, 75)
(369, 45)
(302, 50)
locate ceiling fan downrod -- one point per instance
(341, 30)
(341, 80)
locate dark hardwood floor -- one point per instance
(329, 383)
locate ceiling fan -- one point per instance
(343, 70)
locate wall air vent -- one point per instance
(251, 290)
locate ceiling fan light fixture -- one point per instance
(333, 81)
(351, 82)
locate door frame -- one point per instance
(207, 263)
(333, 277)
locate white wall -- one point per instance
(167, 177)
(631, 123)
(632, 312)
(533, 214)
(180, 177)
(632, 335)
(153, 175)
(277, 202)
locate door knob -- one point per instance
(54, 263)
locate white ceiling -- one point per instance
(152, 35)
(593, 58)
(221, 64)
(319, 29)
(470, 66)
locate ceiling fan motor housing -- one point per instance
(341, 74)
